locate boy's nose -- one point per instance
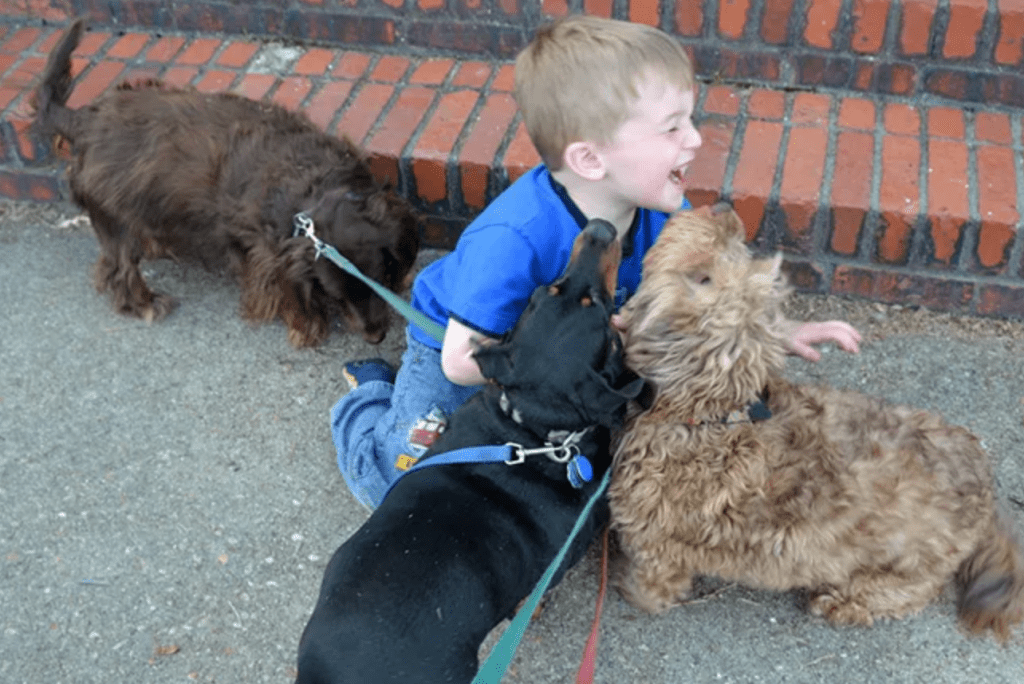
(694, 140)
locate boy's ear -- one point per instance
(583, 160)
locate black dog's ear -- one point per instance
(495, 361)
(606, 404)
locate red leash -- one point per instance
(587, 667)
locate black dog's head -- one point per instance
(563, 358)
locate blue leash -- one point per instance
(501, 655)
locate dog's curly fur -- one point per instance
(217, 179)
(871, 507)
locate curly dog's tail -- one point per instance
(991, 583)
(52, 117)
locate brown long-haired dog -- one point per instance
(217, 179)
(736, 472)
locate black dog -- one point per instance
(218, 180)
(453, 549)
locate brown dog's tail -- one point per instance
(52, 117)
(991, 583)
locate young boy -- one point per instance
(608, 105)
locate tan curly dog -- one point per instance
(735, 472)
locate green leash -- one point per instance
(303, 225)
(501, 655)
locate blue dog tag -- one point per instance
(579, 471)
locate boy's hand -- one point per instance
(803, 335)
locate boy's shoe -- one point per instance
(358, 372)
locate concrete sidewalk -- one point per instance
(170, 497)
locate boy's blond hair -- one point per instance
(577, 79)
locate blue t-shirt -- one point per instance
(523, 239)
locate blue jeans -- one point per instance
(371, 425)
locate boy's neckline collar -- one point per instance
(581, 220)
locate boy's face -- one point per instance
(646, 161)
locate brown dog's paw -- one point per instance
(840, 611)
(158, 309)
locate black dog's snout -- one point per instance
(600, 230)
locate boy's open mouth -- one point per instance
(677, 176)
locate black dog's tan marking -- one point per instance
(217, 179)
(454, 548)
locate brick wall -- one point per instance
(969, 50)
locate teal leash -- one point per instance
(501, 655)
(303, 225)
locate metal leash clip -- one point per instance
(558, 454)
(302, 224)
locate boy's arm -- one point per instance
(457, 360)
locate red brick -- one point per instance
(901, 119)
(706, 175)
(948, 202)
(722, 100)
(899, 195)
(471, 75)
(766, 104)
(237, 54)
(198, 52)
(315, 62)
(801, 182)
(732, 17)
(20, 41)
(328, 100)
(180, 77)
(885, 286)
(390, 68)
(521, 155)
(916, 26)
(1011, 32)
(432, 71)
(965, 21)
(822, 17)
(598, 8)
(645, 12)
(851, 188)
(292, 91)
(997, 201)
(481, 144)
(141, 74)
(215, 81)
(385, 146)
(554, 8)
(810, 109)
(434, 147)
(364, 111)
(689, 18)
(992, 127)
(352, 65)
(14, 83)
(96, 80)
(755, 170)
(775, 22)
(1001, 300)
(869, 19)
(255, 86)
(165, 49)
(946, 122)
(429, 5)
(858, 113)
(128, 46)
(505, 79)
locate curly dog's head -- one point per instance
(706, 321)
